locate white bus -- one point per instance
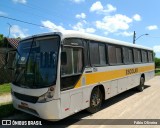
(61, 73)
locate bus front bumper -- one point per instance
(48, 110)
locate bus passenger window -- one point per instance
(137, 56)
(94, 54)
(77, 56)
(112, 55)
(102, 54)
(128, 55)
(119, 55)
(150, 56)
(144, 56)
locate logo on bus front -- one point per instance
(23, 59)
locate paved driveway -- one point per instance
(128, 105)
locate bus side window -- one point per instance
(150, 56)
(144, 56)
(112, 55)
(137, 56)
(128, 55)
(102, 54)
(67, 68)
(71, 71)
(119, 55)
(94, 53)
(86, 54)
(74, 61)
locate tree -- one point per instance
(1, 37)
(18, 38)
(157, 62)
(1, 40)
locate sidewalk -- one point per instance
(5, 98)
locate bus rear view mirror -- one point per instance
(63, 58)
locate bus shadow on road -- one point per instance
(121, 96)
(146, 86)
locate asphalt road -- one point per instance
(128, 105)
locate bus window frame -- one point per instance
(72, 75)
(106, 53)
(116, 46)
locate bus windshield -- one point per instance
(36, 62)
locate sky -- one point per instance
(116, 19)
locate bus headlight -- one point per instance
(48, 96)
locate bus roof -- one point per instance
(75, 34)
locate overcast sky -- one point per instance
(110, 18)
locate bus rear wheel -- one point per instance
(140, 87)
(95, 100)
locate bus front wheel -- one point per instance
(141, 85)
(95, 100)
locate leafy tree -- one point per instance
(1, 37)
(1, 40)
(157, 62)
(18, 38)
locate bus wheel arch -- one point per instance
(140, 87)
(101, 87)
(96, 98)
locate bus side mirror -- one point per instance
(63, 58)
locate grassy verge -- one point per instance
(157, 72)
(5, 88)
(6, 109)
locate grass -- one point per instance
(6, 109)
(5, 88)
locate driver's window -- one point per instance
(74, 61)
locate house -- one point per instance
(8, 44)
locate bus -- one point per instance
(58, 74)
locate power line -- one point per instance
(22, 21)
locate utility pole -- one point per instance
(9, 30)
(134, 37)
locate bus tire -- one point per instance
(140, 87)
(95, 100)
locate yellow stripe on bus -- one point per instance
(96, 77)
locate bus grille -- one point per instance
(31, 99)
